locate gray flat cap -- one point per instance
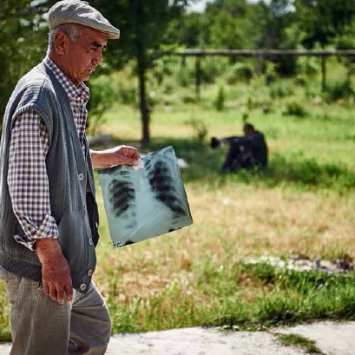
(80, 12)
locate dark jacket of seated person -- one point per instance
(247, 151)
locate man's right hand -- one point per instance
(56, 280)
(215, 143)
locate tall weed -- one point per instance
(337, 90)
(240, 71)
(219, 101)
(280, 90)
(199, 128)
(294, 108)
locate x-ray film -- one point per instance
(146, 202)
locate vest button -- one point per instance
(81, 176)
(90, 272)
(82, 287)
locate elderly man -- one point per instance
(48, 219)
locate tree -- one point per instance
(273, 24)
(22, 41)
(229, 24)
(194, 31)
(271, 20)
(144, 29)
(144, 26)
(324, 20)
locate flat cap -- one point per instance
(80, 12)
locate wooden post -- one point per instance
(198, 76)
(324, 73)
(260, 64)
(183, 61)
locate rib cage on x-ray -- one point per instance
(147, 202)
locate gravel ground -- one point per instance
(331, 338)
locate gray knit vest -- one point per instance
(69, 175)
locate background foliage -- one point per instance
(163, 25)
(303, 204)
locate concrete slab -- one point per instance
(198, 341)
(193, 341)
(331, 337)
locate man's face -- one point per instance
(82, 57)
(247, 131)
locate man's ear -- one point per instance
(61, 42)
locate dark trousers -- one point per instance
(238, 157)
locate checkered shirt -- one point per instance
(27, 177)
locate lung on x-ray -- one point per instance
(146, 202)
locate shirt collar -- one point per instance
(71, 90)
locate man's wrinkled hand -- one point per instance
(120, 155)
(56, 280)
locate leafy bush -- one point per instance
(294, 108)
(161, 68)
(280, 90)
(270, 72)
(220, 99)
(127, 96)
(339, 90)
(188, 99)
(345, 42)
(102, 97)
(240, 72)
(308, 66)
(210, 70)
(309, 172)
(183, 77)
(257, 101)
(168, 88)
(301, 80)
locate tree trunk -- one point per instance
(141, 57)
(143, 105)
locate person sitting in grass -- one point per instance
(248, 151)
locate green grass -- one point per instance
(4, 321)
(295, 340)
(302, 204)
(250, 297)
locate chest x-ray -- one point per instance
(146, 202)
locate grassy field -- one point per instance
(303, 204)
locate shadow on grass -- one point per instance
(204, 164)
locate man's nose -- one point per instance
(97, 59)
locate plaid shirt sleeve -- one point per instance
(28, 181)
